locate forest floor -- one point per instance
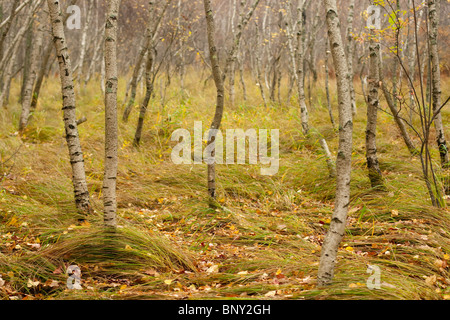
(262, 242)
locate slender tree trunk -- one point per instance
(26, 71)
(297, 58)
(344, 159)
(16, 40)
(395, 113)
(230, 67)
(218, 80)
(375, 175)
(96, 57)
(301, 70)
(5, 30)
(350, 51)
(149, 91)
(69, 106)
(4, 94)
(327, 84)
(330, 162)
(31, 79)
(134, 79)
(241, 76)
(111, 131)
(81, 62)
(433, 15)
(40, 78)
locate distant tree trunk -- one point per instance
(218, 80)
(375, 175)
(182, 64)
(5, 30)
(411, 51)
(433, 14)
(80, 65)
(297, 58)
(137, 69)
(31, 79)
(150, 76)
(344, 158)
(11, 50)
(111, 131)
(350, 51)
(330, 163)
(149, 82)
(258, 61)
(146, 45)
(395, 113)
(4, 93)
(230, 67)
(27, 60)
(95, 59)
(40, 78)
(82, 200)
(327, 83)
(300, 68)
(241, 75)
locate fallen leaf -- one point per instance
(213, 269)
(32, 284)
(431, 280)
(271, 294)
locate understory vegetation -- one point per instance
(263, 238)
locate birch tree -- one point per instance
(343, 163)
(31, 78)
(433, 16)
(111, 131)
(297, 57)
(147, 44)
(218, 80)
(350, 51)
(373, 167)
(81, 191)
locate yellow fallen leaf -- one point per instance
(446, 256)
(168, 282)
(122, 287)
(127, 247)
(394, 213)
(350, 249)
(242, 273)
(85, 224)
(278, 272)
(353, 285)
